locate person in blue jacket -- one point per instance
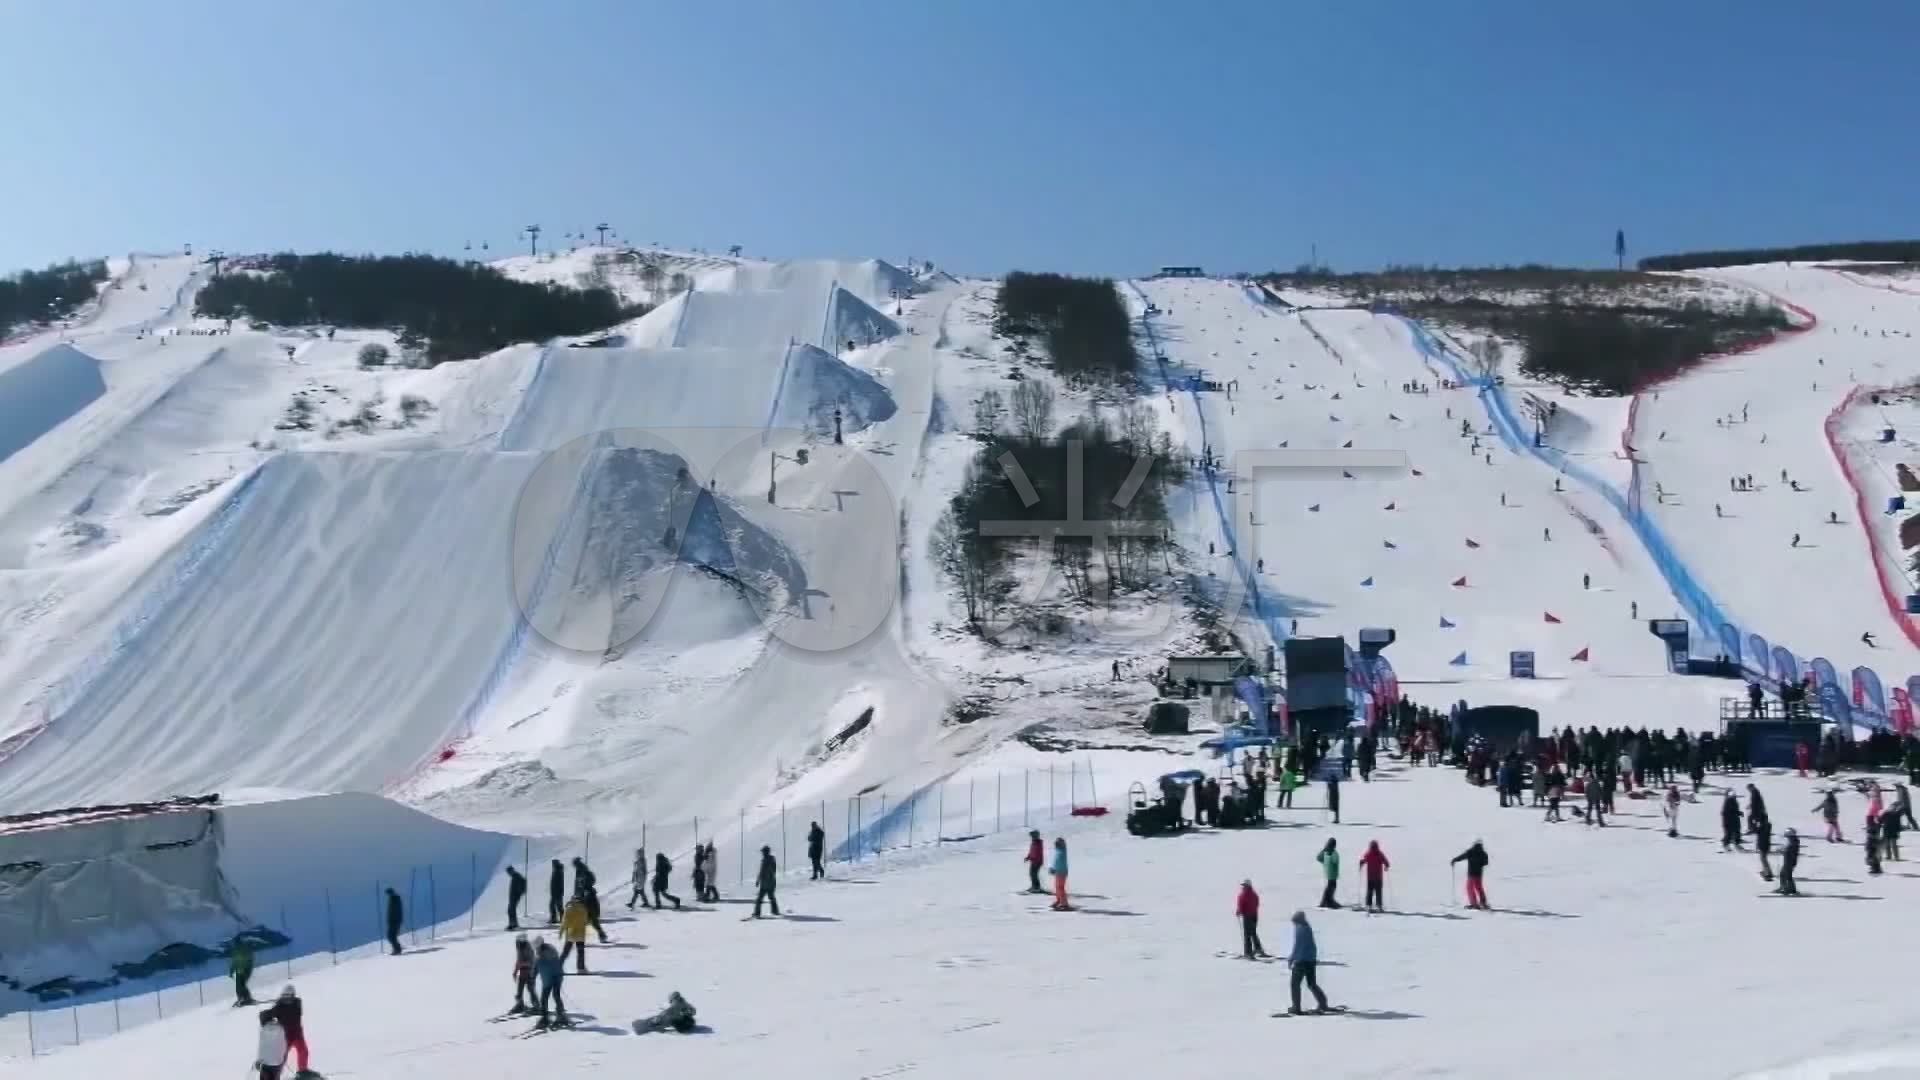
(547, 965)
(1304, 960)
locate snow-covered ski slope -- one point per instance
(1621, 938)
(183, 580)
(1429, 549)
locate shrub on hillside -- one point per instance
(1082, 321)
(444, 309)
(39, 296)
(1862, 250)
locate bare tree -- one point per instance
(1033, 408)
(989, 411)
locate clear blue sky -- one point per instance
(1084, 135)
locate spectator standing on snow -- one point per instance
(396, 918)
(1829, 811)
(1596, 810)
(573, 933)
(764, 882)
(1329, 860)
(1333, 796)
(556, 893)
(816, 846)
(585, 889)
(699, 873)
(1476, 859)
(1671, 808)
(270, 1054)
(552, 971)
(1059, 869)
(662, 877)
(1304, 959)
(1289, 783)
(639, 880)
(240, 966)
(516, 895)
(287, 1012)
(1762, 829)
(1730, 824)
(1890, 835)
(713, 873)
(1036, 858)
(1789, 858)
(1247, 907)
(525, 997)
(1375, 863)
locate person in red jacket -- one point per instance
(1375, 863)
(1800, 759)
(1247, 906)
(1036, 858)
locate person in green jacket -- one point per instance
(1289, 782)
(1329, 859)
(240, 966)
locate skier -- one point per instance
(1596, 800)
(678, 1015)
(1717, 512)
(556, 893)
(240, 966)
(1829, 809)
(640, 880)
(1329, 860)
(816, 846)
(1671, 808)
(662, 874)
(1633, 609)
(1890, 825)
(1247, 907)
(1762, 829)
(764, 882)
(286, 1012)
(1476, 859)
(271, 1055)
(552, 971)
(1036, 858)
(516, 895)
(1903, 806)
(1375, 863)
(1586, 581)
(1796, 540)
(1873, 846)
(1866, 639)
(525, 997)
(396, 917)
(1730, 823)
(1304, 959)
(1833, 517)
(573, 934)
(1333, 795)
(1059, 869)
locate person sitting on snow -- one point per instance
(678, 1015)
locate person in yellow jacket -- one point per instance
(573, 931)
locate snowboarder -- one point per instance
(1476, 859)
(1796, 540)
(764, 882)
(1059, 870)
(1036, 858)
(271, 1055)
(640, 880)
(1333, 795)
(1730, 824)
(678, 1015)
(552, 971)
(556, 893)
(573, 934)
(1829, 810)
(816, 846)
(1304, 959)
(1375, 863)
(1247, 907)
(525, 997)
(516, 895)
(1329, 860)
(240, 966)
(662, 875)
(286, 1012)
(396, 917)
(1671, 808)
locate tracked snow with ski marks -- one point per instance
(1487, 546)
(1764, 413)
(951, 971)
